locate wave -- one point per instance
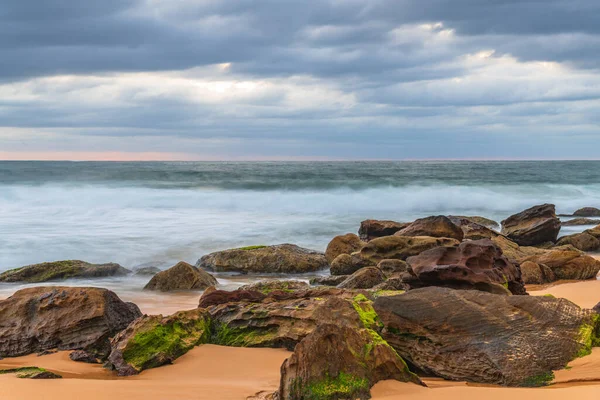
(140, 225)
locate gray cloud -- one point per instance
(326, 78)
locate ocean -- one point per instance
(158, 213)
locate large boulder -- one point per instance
(343, 244)
(437, 226)
(283, 258)
(182, 276)
(532, 227)
(68, 318)
(535, 274)
(587, 212)
(339, 362)
(364, 278)
(347, 264)
(595, 232)
(477, 265)
(566, 262)
(513, 251)
(486, 338)
(581, 241)
(472, 230)
(372, 228)
(61, 270)
(152, 341)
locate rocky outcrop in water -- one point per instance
(343, 244)
(580, 222)
(182, 276)
(486, 338)
(68, 318)
(372, 228)
(283, 258)
(436, 226)
(61, 270)
(477, 265)
(587, 212)
(534, 226)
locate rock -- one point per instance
(31, 373)
(472, 230)
(486, 222)
(513, 251)
(393, 267)
(582, 241)
(61, 270)
(364, 278)
(533, 226)
(475, 336)
(535, 274)
(67, 318)
(332, 280)
(152, 341)
(283, 258)
(587, 212)
(372, 229)
(268, 286)
(396, 284)
(568, 263)
(182, 276)
(279, 320)
(596, 308)
(580, 222)
(217, 297)
(439, 226)
(595, 232)
(83, 356)
(339, 362)
(343, 244)
(400, 247)
(477, 265)
(347, 264)
(146, 271)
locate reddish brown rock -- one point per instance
(372, 228)
(481, 337)
(533, 226)
(587, 212)
(393, 267)
(472, 230)
(343, 244)
(67, 318)
(437, 226)
(472, 265)
(182, 276)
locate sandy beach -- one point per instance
(215, 372)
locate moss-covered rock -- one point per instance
(152, 341)
(343, 244)
(31, 373)
(61, 270)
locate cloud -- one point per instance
(324, 79)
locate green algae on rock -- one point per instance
(31, 373)
(61, 270)
(152, 341)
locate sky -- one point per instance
(299, 79)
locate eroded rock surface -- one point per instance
(436, 226)
(532, 227)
